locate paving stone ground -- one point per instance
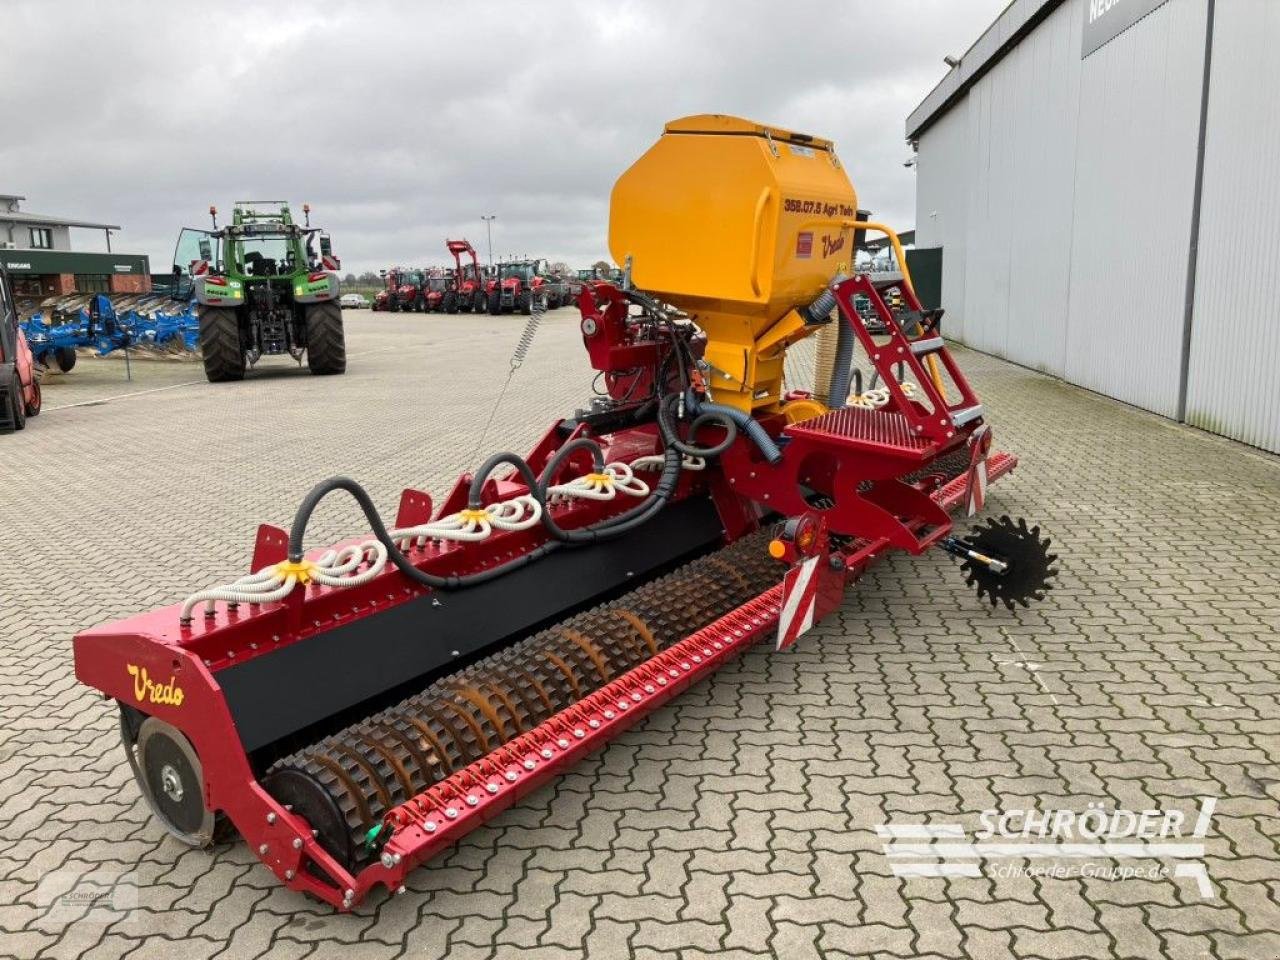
(740, 821)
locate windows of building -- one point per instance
(41, 238)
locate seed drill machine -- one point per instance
(354, 709)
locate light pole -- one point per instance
(488, 227)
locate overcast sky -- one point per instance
(404, 123)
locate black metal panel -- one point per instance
(334, 676)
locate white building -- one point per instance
(1101, 176)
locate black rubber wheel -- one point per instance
(479, 305)
(17, 405)
(171, 778)
(37, 401)
(220, 345)
(450, 302)
(525, 303)
(495, 303)
(65, 358)
(326, 344)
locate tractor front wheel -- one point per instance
(525, 303)
(495, 303)
(450, 302)
(220, 345)
(37, 398)
(326, 343)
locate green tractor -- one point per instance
(262, 289)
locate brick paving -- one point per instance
(740, 820)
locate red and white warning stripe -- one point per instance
(976, 483)
(799, 601)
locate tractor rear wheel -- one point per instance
(495, 303)
(65, 358)
(479, 305)
(326, 343)
(220, 345)
(451, 302)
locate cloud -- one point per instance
(403, 123)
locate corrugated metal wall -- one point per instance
(1136, 151)
(1234, 378)
(1022, 128)
(1075, 185)
(942, 186)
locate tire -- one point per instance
(451, 302)
(220, 345)
(326, 344)
(479, 305)
(65, 358)
(495, 303)
(524, 303)
(37, 401)
(17, 406)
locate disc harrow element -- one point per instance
(371, 767)
(1030, 572)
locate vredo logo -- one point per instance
(832, 244)
(147, 690)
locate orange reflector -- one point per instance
(777, 549)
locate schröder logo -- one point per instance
(1081, 838)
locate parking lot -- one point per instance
(740, 820)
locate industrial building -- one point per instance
(1098, 176)
(36, 250)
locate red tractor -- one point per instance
(19, 388)
(469, 293)
(437, 291)
(517, 282)
(403, 291)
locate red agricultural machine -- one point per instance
(353, 710)
(469, 289)
(518, 282)
(20, 396)
(437, 293)
(403, 291)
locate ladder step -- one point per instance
(961, 417)
(931, 345)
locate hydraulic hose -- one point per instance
(744, 422)
(666, 423)
(309, 503)
(620, 524)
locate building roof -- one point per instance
(1017, 20)
(22, 216)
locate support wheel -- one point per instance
(326, 344)
(65, 358)
(220, 345)
(171, 779)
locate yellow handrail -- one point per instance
(931, 361)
